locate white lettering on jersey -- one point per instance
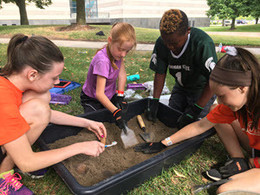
(154, 58)
(179, 67)
(210, 64)
(178, 76)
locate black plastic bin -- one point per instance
(136, 175)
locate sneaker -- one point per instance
(10, 184)
(35, 174)
(231, 167)
(214, 174)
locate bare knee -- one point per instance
(221, 189)
(35, 111)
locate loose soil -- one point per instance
(89, 170)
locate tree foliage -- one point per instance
(22, 7)
(254, 9)
(229, 9)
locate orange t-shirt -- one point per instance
(223, 114)
(12, 124)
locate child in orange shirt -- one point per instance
(33, 67)
(235, 80)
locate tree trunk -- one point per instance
(233, 24)
(23, 13)
(256, 20)
(81, 14)
(223, 24)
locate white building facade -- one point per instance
(140, 13)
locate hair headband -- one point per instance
(232, 51)
(21, 40)
(231, 77)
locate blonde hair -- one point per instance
(119, 33)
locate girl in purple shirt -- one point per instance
(106, 79)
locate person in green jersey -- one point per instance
(189, 54)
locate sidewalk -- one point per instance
(96, 45)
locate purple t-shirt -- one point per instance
(101, 65)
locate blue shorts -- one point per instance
(181, 100)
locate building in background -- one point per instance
(57, 13)
(140, 13)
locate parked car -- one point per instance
(241, 22)
(227, 23)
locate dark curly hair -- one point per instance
(174, 20)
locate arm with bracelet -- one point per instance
(121, 102)
(187, 132)
(153, 147)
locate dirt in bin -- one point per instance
(89, 170)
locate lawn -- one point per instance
(143, 35)
(240, 28)
(178, 179)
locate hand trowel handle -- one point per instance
(141, 122)
(124, 129)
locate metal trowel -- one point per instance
(128, 137)
(148, 137)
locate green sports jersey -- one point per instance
(191, 68)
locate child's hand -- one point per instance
(92, 148)
(98, 128)
(121, 103)
(117, 114)
(189, 116)
(152, 109)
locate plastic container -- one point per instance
(71, 86)
(136, 175)
(138, 86)
(60, 99)
(133, 77)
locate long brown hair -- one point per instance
(246, 61)
(35, 51)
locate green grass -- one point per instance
(143, 35)
(240, 28)
(169, 182)
(238, 41)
